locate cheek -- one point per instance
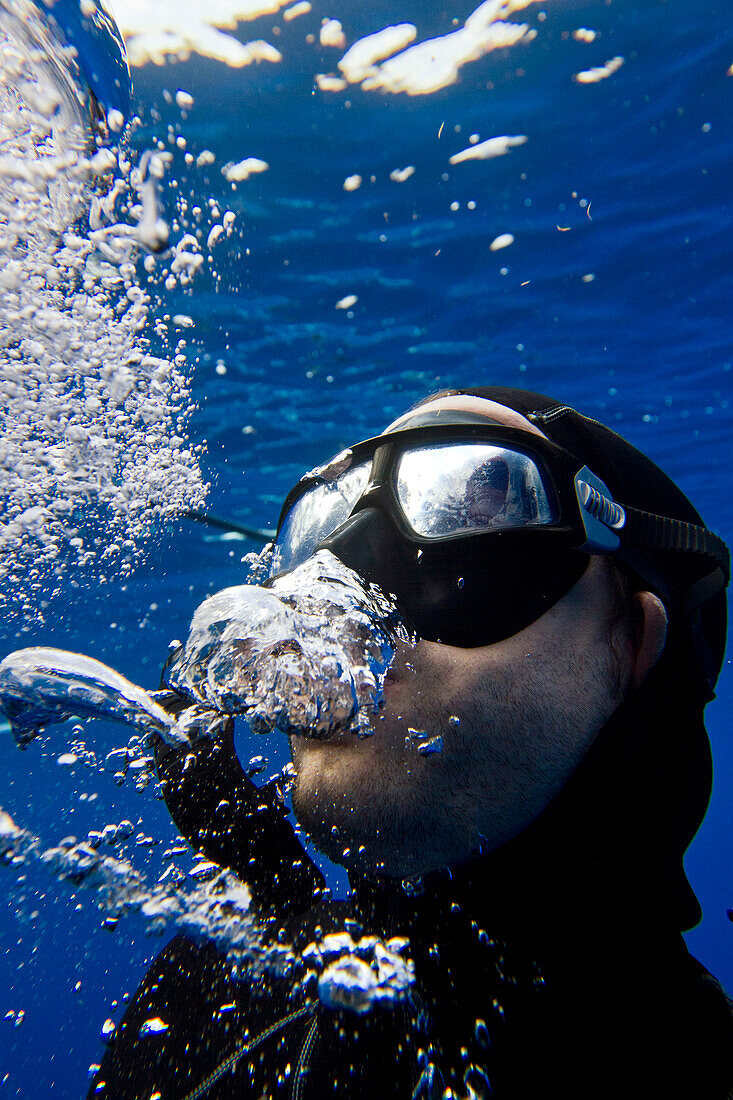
(447, 678)
(519, 693)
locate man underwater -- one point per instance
(570, 613)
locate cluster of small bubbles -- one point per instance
(134, 761)
(208, 903)
(93, 452)
(111, 834)
(203, 226)
(79, 752)
(283, 781)
(259, 564)
(357, 974)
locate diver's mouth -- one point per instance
(401, 668)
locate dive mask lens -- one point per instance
(455, 489)
(315, 515)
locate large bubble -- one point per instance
(308, 655)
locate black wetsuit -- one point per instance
(554, 967)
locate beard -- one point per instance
(376, 805)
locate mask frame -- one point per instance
(377, 541)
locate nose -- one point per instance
(369, 544)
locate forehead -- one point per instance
(465, 403)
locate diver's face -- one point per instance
(515, 717)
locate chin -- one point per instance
(366, 831)
(350, 822)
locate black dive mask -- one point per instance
(475, 528)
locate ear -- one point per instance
(649, 635)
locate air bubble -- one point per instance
(481, 1034)
(431, 747)
(107, 1031)
(154, 1026)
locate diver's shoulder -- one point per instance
(712, 992)
(709, 1030)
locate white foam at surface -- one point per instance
(436, 63)
(155, 30)
(601, 72)
(359, 61)
(487, 150)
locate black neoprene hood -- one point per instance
(641, 793)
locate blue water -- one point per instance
(645, 346)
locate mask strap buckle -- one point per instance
(601, 516)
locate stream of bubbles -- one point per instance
(93, 453)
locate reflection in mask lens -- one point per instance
(452, 489)
(315, 515)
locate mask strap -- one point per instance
(644, 529)
(703, 590)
